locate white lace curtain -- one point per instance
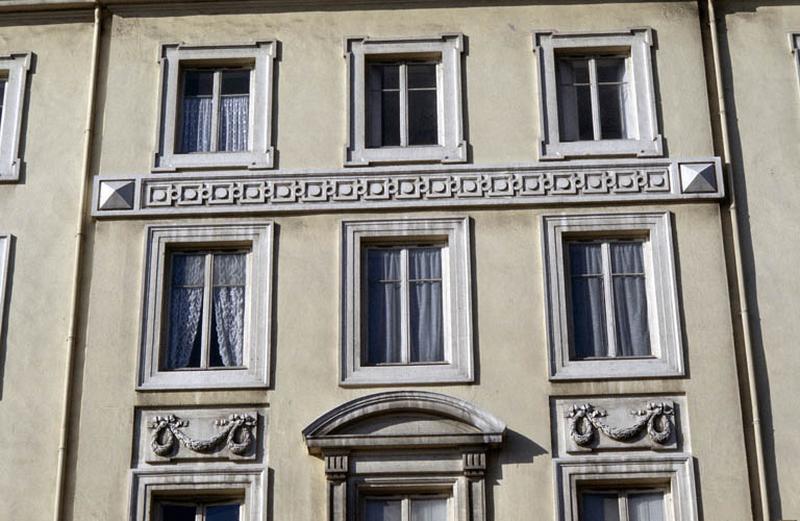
(424, 304)
(228, 304)
(233, 123)
(186, 308)
(588, 291)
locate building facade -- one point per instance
(398, 261)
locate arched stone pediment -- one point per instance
(408, 419)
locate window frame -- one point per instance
(456, 292)
(448, 49)
(407, 489)
(794, 43)
(175, 60)
(6, 241)
(197, 503)
(666, 344)
(622, 491)
(638, 44)
(14, 67)
(161, 242)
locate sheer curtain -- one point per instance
(228, 303)
(196, 126)
(429, 509)
(233, 122)
(425, 288)
(186, 307)
(630, 299)
(588, 305)
(646, 507)
(599, 507)
(382, 510)
(384, 341)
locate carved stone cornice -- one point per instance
(602, 181)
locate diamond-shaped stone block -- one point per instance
(116, 195)
(698, 178)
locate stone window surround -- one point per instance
(260, 155)
(666, 339)
(5, 262)
(640, 42)
(160, 239)
(249, 483)
(14, 67)
(794, 42)
(453, 148)
(674, 471)
(456, 292)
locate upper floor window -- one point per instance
(407, 305)
(612, 296)
(411, 507)
(597, 94)
(633, 504)
(13, 78)
(216, 107)
(405, 100)
(207, 295)
(178, 510)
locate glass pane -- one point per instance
(234, 123)
(630, 299)
(429, 509)
(425, 285)
(599, 507)
(383, 306)
(382, 510)
(185, 311)
(2, 97)
(389, 74)
(421, 75)
(610, 70)
(646, 507)
(585, 258)
(197, 107)
(573, 71)
(422, 118)
(390, 118)
(588, 317)
(612, 117)
(178, 512)
(627, 258)
(236, 82)
(222, 513)
(574, 101)
(230, 269)
(228, 306)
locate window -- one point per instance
(207, 294)
(597, 94)
(406, 302)
(418, 507)
(612, 296)
(13, 78)
(623, 505)
(216, 107)
(177, 510)
(405, 100)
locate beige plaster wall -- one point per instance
(764, 99)
(40, 211)
(500, 89)
(511, 349)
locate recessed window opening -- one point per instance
(215, 110)
(595, 100)
(632, 504)
(608, 294)
(206, 309)
(412, 507)
(403, 103)
(198, 510)
(405, 303)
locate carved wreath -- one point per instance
(236, 433)
(585, 420)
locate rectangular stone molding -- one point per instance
(5, 263)
(599, 424)
(181, 435)
(14, 68)
(406, 187)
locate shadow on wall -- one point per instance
(517, 449)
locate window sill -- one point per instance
(406, 375)
(412, 154)
(602, 148)
(615, 369)
(202, 380)
(209, 160)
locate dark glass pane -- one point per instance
(588, 317)
(573, 71)
(422, 118)
(599, 507)
(188, 269)
(198, 83)
(610, 70)
(178, 512)
(2, 97)
(585, 259)
(235, 82)
(382, 510)
(222, 513)
(611, 116)
(185, 311)
(584, 102)
(390, 76)
(421, 75)
(390, 118)
(630, 313)
(425, 304)
(627, 257)
(383, 306)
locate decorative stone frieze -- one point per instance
(604, 181)
(585, 421)
(236, 435)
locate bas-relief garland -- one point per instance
(236, 433)
(392, 187)
(585, 420)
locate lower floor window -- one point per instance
(623, 505)
(406, 508)
(198, 511)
